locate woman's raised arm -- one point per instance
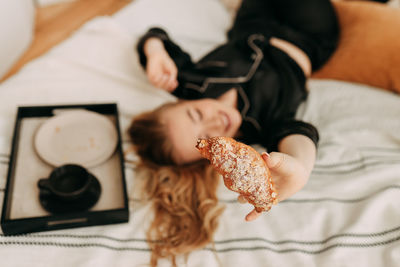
(160, 68)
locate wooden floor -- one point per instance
(56, 22)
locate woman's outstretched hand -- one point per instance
(288, 174)
(290, 168)
(160, 68)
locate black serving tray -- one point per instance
(113, 208)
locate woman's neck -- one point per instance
(229, 98)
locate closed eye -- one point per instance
(199, 114)
(195, 115)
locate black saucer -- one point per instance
(54, 204)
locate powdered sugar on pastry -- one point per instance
(243, 170)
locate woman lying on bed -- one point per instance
(248, 88)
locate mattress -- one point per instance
(348, 214)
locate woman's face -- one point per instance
(190, 120)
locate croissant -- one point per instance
(242, 168)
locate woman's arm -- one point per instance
(292, 166)
(162, 58)
(160, 68)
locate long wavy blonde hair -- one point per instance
(185, 204)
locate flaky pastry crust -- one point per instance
(243, 170)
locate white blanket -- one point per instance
(347, 215)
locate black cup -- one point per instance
(69, 188)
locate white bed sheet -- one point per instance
(347, 215)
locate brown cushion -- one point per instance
(369, 46)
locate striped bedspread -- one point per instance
(347, 215)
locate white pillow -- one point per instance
(16, 30)
(196, 25)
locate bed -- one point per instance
(347, 215)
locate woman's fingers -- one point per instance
(274, 160)
(252, 215)
(156, 78)
(168, 83)
(163, 77)
(160, 80)
(154, 73)
(162, 83)
(172, 83)
(241, 199)
(172, 71)
(278, 163)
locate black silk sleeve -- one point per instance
(280, 129)
(180, 57)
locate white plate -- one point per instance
(81, 137)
